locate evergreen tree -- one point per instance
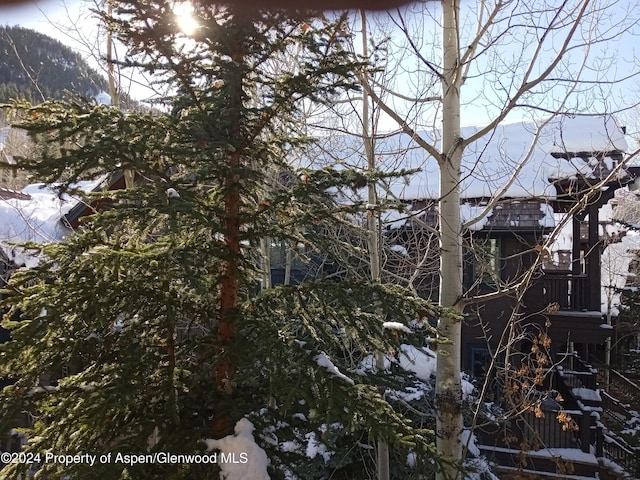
(627, 325)
(149, 322)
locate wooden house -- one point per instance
(531, 195)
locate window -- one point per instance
(486, 260)
(480, 361)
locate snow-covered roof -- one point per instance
(34, 215)
(103, 98)
(515, 160)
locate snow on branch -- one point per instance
(323, 361)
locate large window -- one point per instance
(486, 259)
(480, 361)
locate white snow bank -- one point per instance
(478, 466)
(250, 461)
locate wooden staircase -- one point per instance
(620, 410)
(595, 446)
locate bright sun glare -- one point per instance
(184, 16)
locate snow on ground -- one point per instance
(478, 466)
(469, 442)
(250, 461)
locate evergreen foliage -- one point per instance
(628, 325)
(148, 321)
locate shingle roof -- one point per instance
(6, 194)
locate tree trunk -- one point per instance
(230, 277)
(448, 402)
(114, 89)
(288, 260)
(265, 263)
(373, 242)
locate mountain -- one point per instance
(35, 67)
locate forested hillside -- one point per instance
(35, 67)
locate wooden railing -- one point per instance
(578, 426)
(570, 292)
(626, 390)
(576, 372)
(556, 429)
(629, 388)
(616, 448)
(614, 409)
(618, 451)
(530, 432)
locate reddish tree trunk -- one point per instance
(230, 281)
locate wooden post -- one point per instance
(593, 260)
(585, 432)
(599, 439)
(575, 249)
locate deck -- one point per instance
(572, 442)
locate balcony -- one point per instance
(566, 301)
(568, 292)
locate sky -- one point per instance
(35, 14)
(56, 18)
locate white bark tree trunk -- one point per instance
(266, 263)
(516, 66)
(373, 242)
(448, 400)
